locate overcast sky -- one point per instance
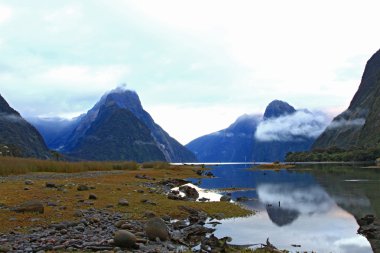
(196, 65)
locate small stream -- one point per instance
(310, 208)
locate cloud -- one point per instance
(347, 123)
(72, 75)
(5, 13)
(299, 125)
(63, 56)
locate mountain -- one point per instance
(233, 144)
(116, 134)
(282, 129)
(17, 136)
(278, 108)
(359, 125)
(118, 128)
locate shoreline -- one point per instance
(90, 225)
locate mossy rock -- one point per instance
(156, 227)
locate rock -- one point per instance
(209, 174)
(50, 185)
(199, 172)
(368, 219)
(166, 217)
(119, 223)
(26, 189)
(139, 176)
(219, 216)
(124, 239)
(32, 206)
(203, 199)
(92, 196)
(242, 199)
(175, 197)
(190, 192)
(78, 213)
(147, 201)
(123, 202)
(149, 214)
(156, 228)
(180, 224)
(225, 198)
(29, 182)
(5, 248)
(171, 183)
(83, 187)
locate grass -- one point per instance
(16, 166)
(155, 165)
(109, 188)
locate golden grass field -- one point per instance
(109, 188)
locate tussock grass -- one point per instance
(15, 166)
(156, 165)
(109, 188)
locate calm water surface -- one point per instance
(312, 206)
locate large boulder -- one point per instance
(124, 239)
(157, 228)
(32, 206)
(191, 193)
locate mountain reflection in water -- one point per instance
(285, 201)
(293, 208)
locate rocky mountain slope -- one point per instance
(117, 128)
(17, 136)
(359, 125)
(255, 138)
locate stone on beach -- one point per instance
(32, 206)
(124, 239)
(156, 228)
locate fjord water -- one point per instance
(309, 208)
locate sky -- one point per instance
(196, 65)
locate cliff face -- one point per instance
(359, 125)
(17, 136)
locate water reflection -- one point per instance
(293, 208)
(285, 202)
(282, 216)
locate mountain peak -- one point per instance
(123, 98)
(278, 108)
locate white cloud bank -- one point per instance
(293, 127)
(5, 13)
